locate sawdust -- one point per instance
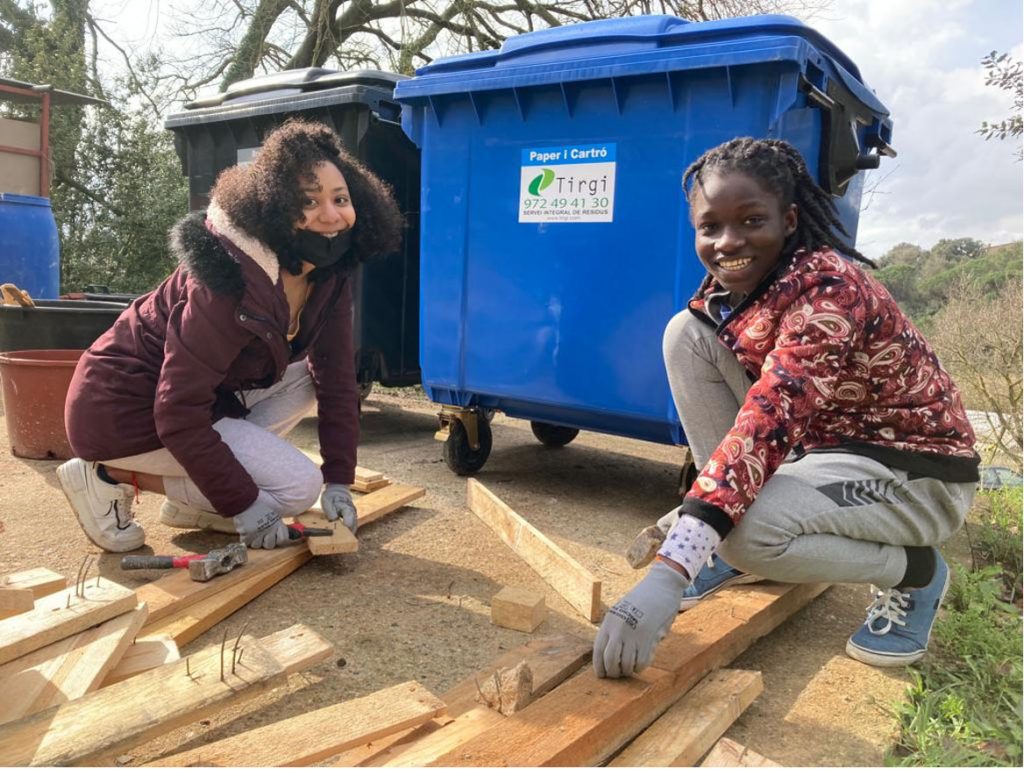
(413, 602)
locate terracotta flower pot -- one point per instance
(35, 386)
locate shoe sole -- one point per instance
(883, 660)
(65, 482)
(185, 520)
(743, 579)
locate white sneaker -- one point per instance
(104, 510)
(182, 516)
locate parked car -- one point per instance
(994, 477)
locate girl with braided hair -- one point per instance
(832, 445)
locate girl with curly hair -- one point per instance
(191, 391)
(831, 443)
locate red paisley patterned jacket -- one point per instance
(838, 367)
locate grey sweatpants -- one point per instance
(828, 516)
(286, 477)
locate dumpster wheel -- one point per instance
(460, 458)
(553, 436)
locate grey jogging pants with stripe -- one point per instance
(828, 516)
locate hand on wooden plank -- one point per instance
(634, 626)
(336, 502)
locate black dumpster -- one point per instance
(56, 324)
(217, 132)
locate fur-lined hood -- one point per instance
(201, 253)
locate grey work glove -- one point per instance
(336, 501)
(260, 526)
(634, 626)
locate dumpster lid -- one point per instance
(632, 45)
(295, 81)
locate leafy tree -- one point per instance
(1006, 74)
(116, 182)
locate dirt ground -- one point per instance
(413, 602)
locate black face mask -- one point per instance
(321, 251)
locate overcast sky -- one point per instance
(922, 58)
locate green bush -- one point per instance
(964, 705)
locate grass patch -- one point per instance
(964, 703)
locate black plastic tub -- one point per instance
(56, 324)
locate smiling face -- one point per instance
(741, 228)
(326, 208)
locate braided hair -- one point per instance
(778, 166)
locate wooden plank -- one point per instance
(586, 720)
(174, 592)
(118, 717)
(729, 753)
(40, 581)
(341, 541)
(368, 476)
(195, 619)
(552, 658)
(123, 715)
(577, 585)
(688, 729)
(379, 503)
(312, 737)
(365, 487)
(145, 654)
(63, 614)
(297, 647)
(441, 740)
(67, 669)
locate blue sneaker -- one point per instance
(900, 622)
(713, 576)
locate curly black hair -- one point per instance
(265, 198)
(779, 167)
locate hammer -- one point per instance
(201, 568)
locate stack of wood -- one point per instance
(672, 714)
(88, 693)
(93, 668)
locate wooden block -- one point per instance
(63, 614)
(126, 714)
(15, 602)
(143, 655)
(573, 582)
(314, 736)
(368, 476)
(690, 727)
(174, 592)
(552, 659)
(379, 503)
(341, 541)
(40, 581)
(195, 619)
(586, 720)
(518, 608)
(729, 753)
(507, 691)
(67, 669)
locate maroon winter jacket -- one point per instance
(176, 360)
(838, 367)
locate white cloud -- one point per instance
(922, 58)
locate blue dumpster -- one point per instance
(555, 243)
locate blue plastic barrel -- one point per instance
(29, 248)
(555, 240)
